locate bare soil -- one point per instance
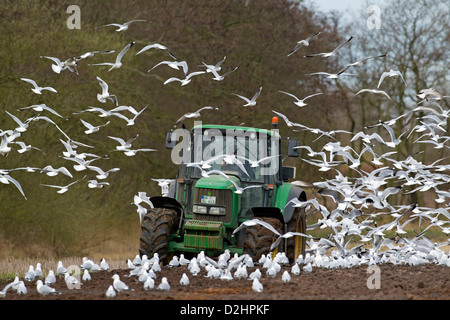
(401, 282)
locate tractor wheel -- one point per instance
(156, 227)
(296, 245)
(258, 239)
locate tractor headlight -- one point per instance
(199, 209)
(217, 211)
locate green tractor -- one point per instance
(226, 175)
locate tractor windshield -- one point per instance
(248, 154)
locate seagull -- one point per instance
(62, 189)
(130, 122)
(184, 280)
(251, 102)
(359, 63)
(37, 89)
(156, 46)
(92, 184)
(118, 63)
(6, 179)
(124, 144)
(149, 283)
(392, 74)
(164, 184)
(121, 27)
(331, 53)
(331, 75)
(102, 174)
(51, 172)
(195, 114)
(174, 65)
(110, 293)
(91, 128)
(164, 285)
(304, 42)
(50, 278)
(30, 275)
(429, 93)
(38, 270)
(374, 91)
(186, 80)
(300, 102)
(41, 107)
(104, 265)
(105, 94)
(286, 277)
(59, 65)
(131, 153)
(92, 53)
(217, 76)
(22, 125)
(60, 269)
(45, 289)
(118, 284)
(86, 275)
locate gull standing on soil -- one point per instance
(184, 280)
(195, 114)
(286, 277)
(157, 46)
(257, 286)
(164, 285)
(250, 102)
(45, 289)
(30, 275)
(118, 284)
(50, 278)
(37, 89)
(149, 284)
(118, 63)
(300, 102)
(121, 27)
(304, 42)
(86, 275)
(60, 269)
(110, 293)
(105, 94)
(331, 53)
(392, 74)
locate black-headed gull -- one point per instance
(121, 27)
(6, 179)
(252, 101)
(37, 89)
(331, 75)
(156, 46)
(105, 94)
(62, 189)
(304, 42)
(41, 107)
(301, 102)
(174, 65)
(331, 53)
(124, 144)
(217, 76)
(118, 63)
(374, 91)
(186, 80)
(195, 114)
(360, 62)
(91, 128)
(391, 74)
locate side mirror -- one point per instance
(292, 151)
(288, 173)
(171, 139)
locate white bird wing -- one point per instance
(30, 81)
(313, 36)
(253, 222)
(312, 95)
(242, 97)
(290, 94)
(103, 84)
(124, 50)
(339, 46)
(257, 94)
(87, 125)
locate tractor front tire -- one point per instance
(259, 239)
(157, 225)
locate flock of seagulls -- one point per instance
(355, 238)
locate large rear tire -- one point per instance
(258, 239)
(157, 225)
(296, 245)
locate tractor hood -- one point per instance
(217, 182)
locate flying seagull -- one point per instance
(374, 91)
(121, 27)
(105, 94)
(186, 80)
(304, 42)
(195, 114)
(331, 53)
(300, 102)
(251, 102)
(37, 89)
(157, 46)
(392, 74)
(360, 62)
(118, 63)
(62, 189)
(174, 65)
